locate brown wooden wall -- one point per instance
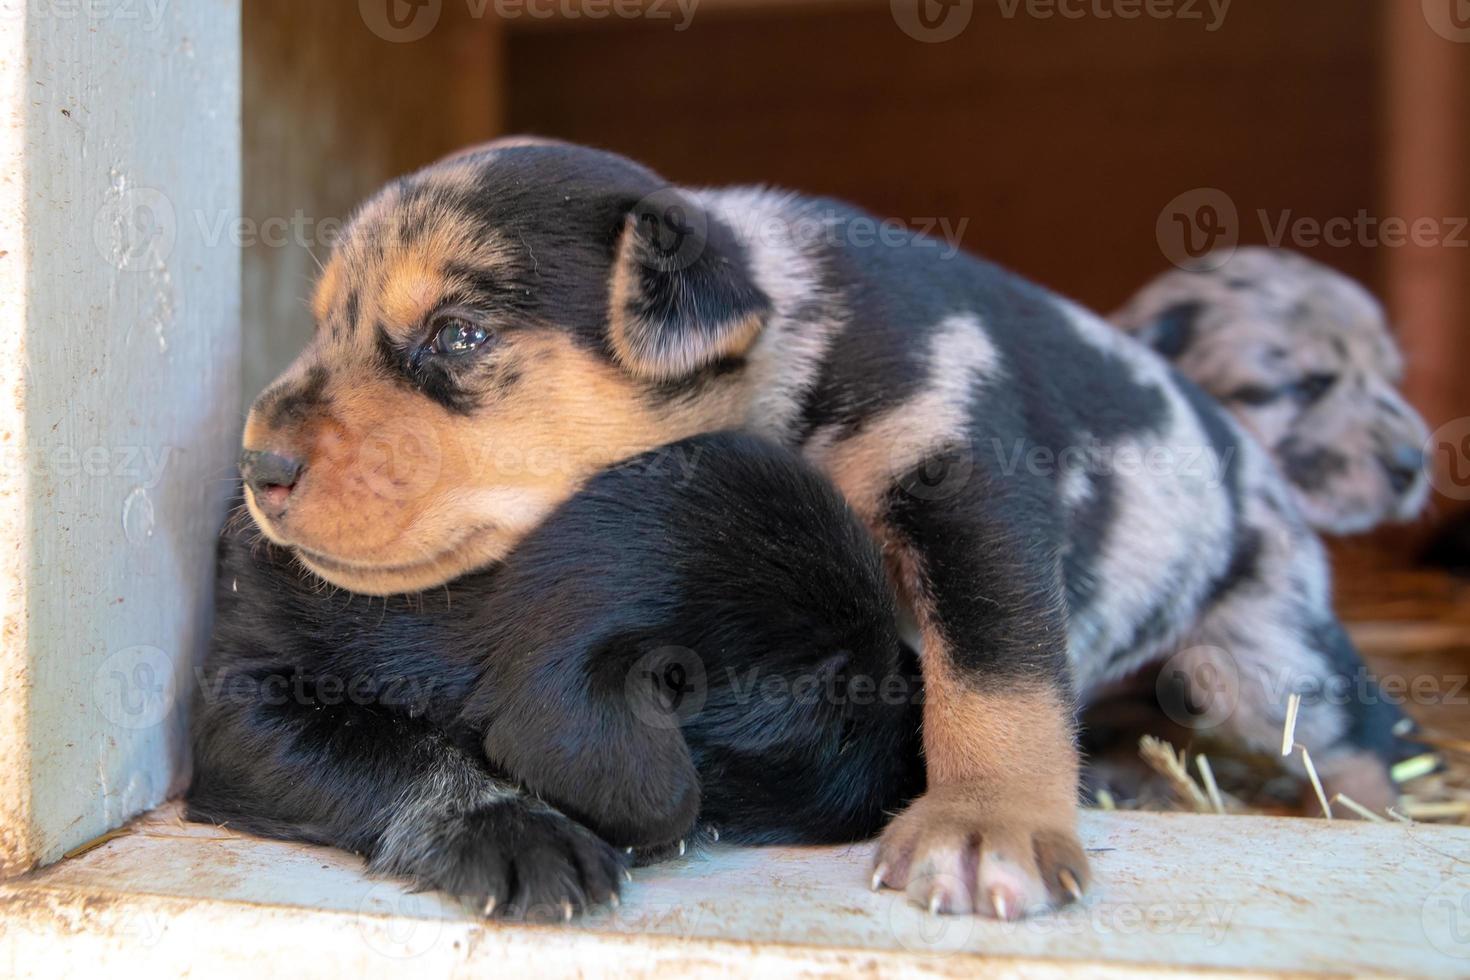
(1056, 142)
(1059, 141)
(331, 112)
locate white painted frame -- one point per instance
(119, 395)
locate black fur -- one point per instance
(691, 282)
(1173, 332)
(723, 556)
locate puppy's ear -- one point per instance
(1172, 330)
(682, 292)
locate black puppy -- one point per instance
(703, 633)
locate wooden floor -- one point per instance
(1175, 894)
(1414, 624)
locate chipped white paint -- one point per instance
(1175, 893)
(118, 397)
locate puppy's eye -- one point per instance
(1313, 387)
(455, 336)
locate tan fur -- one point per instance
(328, 291)
(402, 494)
(996, 832)
(412, 288)
(865, 465)
(1012, 735)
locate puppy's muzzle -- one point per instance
(1405, 467)
(271, 477)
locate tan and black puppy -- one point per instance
(1056, 509)
(1303, 357)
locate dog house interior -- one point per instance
(173, 174)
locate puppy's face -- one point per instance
(484, 343)
(1302, 356)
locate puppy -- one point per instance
(1056, 506)
(703, 633)
(1302, 356)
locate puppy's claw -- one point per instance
(566, 911)
(681, 848)
(1069, 882)
(936, 901)
(627, 876)
(627, 850)
(998, 903)
(878, 873)
(490, 904)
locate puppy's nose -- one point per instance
(1404, 465)
(271, 477)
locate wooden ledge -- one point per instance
(1176, 893)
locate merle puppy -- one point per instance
(1056, 506)
(1304, 359)
(715, 598)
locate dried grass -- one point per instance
(1435, 786)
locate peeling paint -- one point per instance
(137, 516)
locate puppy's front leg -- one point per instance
(273, 758)
(996, 831)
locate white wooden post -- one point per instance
(119, 397)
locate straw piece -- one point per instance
(1357, 808)
(1460, 745)
(1164, 760)
(1316, 783)
(1105, 800)
(1211, 787)
(1288, 731)
(1413, 768)
(96, 842)
(1437, 810)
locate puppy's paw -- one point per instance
(698, 838)
(513, 859)
(957, 851)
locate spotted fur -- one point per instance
(1302, 356)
